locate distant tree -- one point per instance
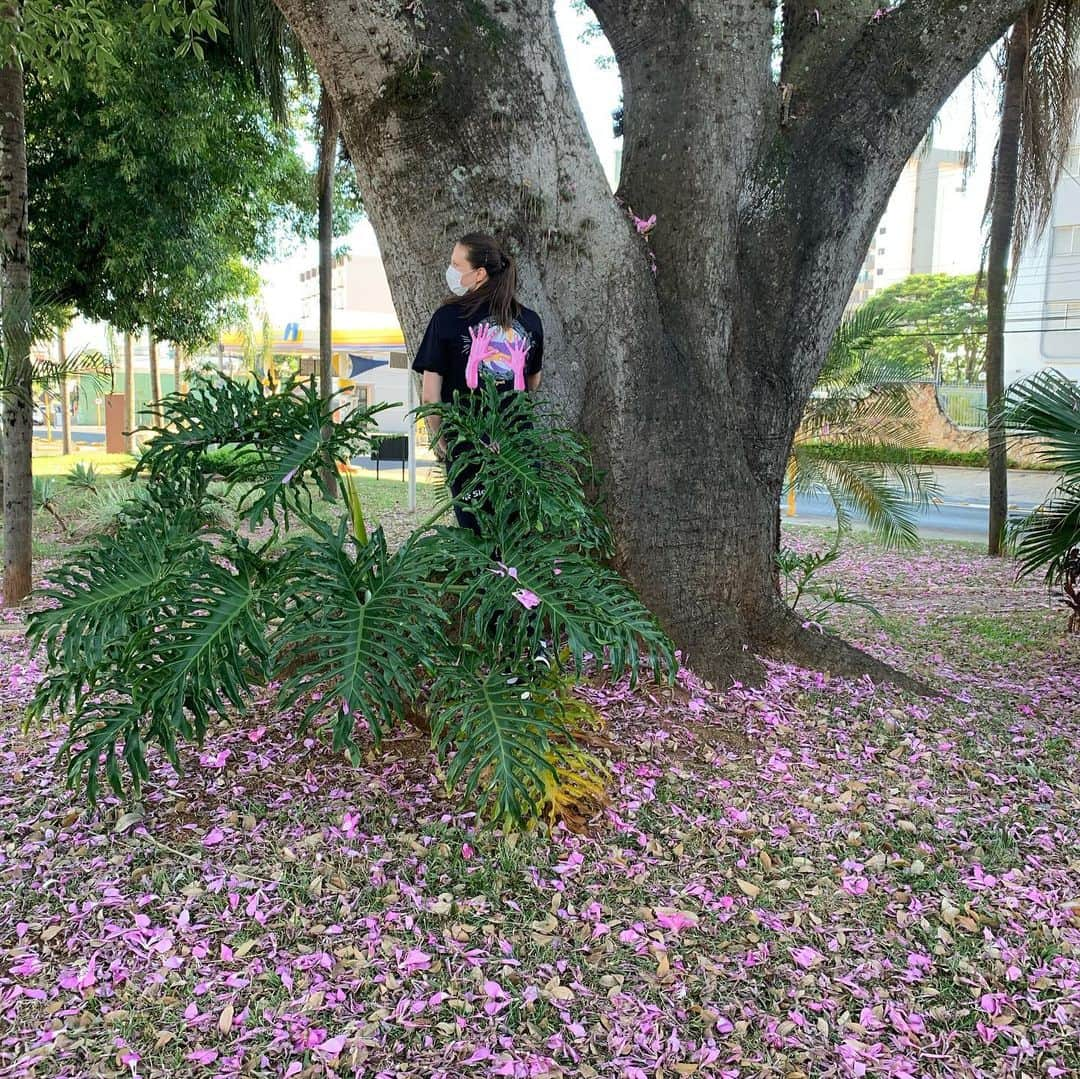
(53, 40)
(155, 191)
(940, 322)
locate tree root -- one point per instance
(785, 638)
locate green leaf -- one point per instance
(501, 731)
(363, 626)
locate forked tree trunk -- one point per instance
(1002, 218)
(129, 395)
(18, 420)
(688, 352)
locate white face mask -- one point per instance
(453, 280)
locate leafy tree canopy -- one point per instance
(941, 323)
(155, 189)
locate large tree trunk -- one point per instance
(65, 395)
(686, 354)
(129, 395)
(18, 433)
(1002, 218)
(329, 133)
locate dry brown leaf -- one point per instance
(224, 1023)
(748, 889)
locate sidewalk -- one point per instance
(971, 486)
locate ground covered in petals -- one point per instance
(814, 877)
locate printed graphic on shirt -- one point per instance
(495, 351)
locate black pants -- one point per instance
(466, 518)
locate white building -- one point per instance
(913, 236)
(1042, 319)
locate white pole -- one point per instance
(412, 443)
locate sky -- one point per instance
(599, 90)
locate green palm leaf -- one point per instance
(1046, 409)
(1045, 536)
(290, 440)
(887, 494)
(94, 595)
(209, 646)
(519, 455)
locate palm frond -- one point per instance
(290, 440)
(1049, 113)
(541, 591)
(1044, 537)
(518, 454)
(209, 644)
(1046, 409)
(886, 494)
(95, 594)
(85, 362)
(260, 40)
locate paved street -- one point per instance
(962, 511)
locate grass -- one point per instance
(57, 464)
(385, 501)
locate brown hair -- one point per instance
(500, 288)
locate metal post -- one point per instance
(412, 441)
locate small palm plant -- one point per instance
(862, 403)
(1046, 409)
(83, 477)
(168, 621)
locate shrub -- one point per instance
(167, 622)
(83, 477)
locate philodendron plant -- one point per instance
(170, 619)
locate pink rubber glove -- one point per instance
(519, 352)
(481, 345)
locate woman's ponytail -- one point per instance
(499, 291)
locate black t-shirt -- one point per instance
(447, 345)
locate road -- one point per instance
(962, 513)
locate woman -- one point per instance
(480, 331)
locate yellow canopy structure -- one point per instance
(352, 330)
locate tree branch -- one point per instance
(811, 29)
(850, 128)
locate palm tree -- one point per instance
(1040, 93)
(329, 134)
(1046, 409)
(862, 404)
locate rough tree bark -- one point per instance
(1002, 219)
(18, 419)
(689, 380)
